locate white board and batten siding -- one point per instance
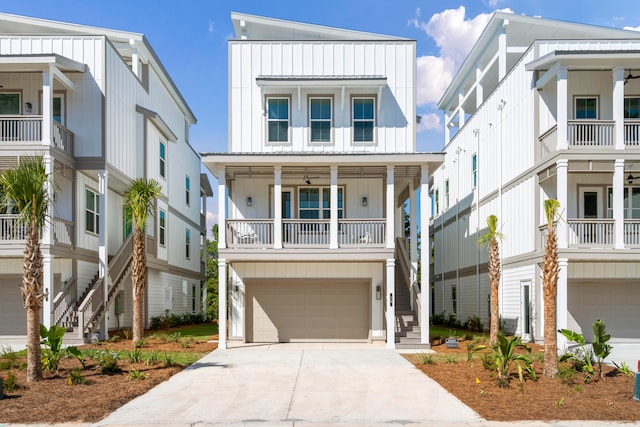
(178, 289)
(288, 270)
(395, 117)
(511, 294)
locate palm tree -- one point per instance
(550, 288)
(139, 199)
(490, 239)
(25, 188)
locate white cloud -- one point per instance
(212, 27)
(211, 219)
(632, 28)
(429, 121)
(455, 36)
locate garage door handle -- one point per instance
(391, 299)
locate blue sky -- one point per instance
(190, 37)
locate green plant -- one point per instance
(152, 358)
(10, 384)
(472, 348)
(599, 344)
(566, 374)
(108, 362)
(507, 360)
(186, 343)
(134, 374)
(168, 360)
(126, 333)
(451, 359)
(76, 377)
(624, 369)
(488, 361)
(141, 343)
(558, 403)
(583, 356)
(473, 323)
(427, 359)
(114, 338)
(174, 337)
(52, 339)
(135, 356)
(577, 388)
(9, 359)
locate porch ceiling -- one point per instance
(410, 172)
(21, 63)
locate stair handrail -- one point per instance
(120, 261)
(64, 300)
(90, 306)
(402, 256)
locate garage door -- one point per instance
(13, 317)
(307, 310)
(614, 302)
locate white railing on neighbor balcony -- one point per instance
(62, 138)
(11, 228)
(590, 232)
(21, 128)
(247, 233)
(590, 133)
(305, 232)
(63, 232)
(548, 141)
(632, 232)
(361, 232)
(632, 133)
(64, 302)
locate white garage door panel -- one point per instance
(307, 310)
(13, 316)
(616, 303)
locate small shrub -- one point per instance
(141, 343)
(168, 360)
(472, 348)
(76, 377)
(427, 359)
(624, 369)
(134, 374)
(174, 337)
(577, 388)
(9, 359)
(567, 374)
(135, 356)
(489, 361)
(438, 319)
(152, 359)
(108, 362)
(186, 343)
(473, 323)
(10, 383)
(451, 359)
(507, 360)
(126, 333)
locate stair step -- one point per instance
(418, 346)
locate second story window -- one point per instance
(92, 211)
(187, 244)
(320, 119)
(163, 159)
(363, 118)
(10, 103)
(162, 228)
(278, 120)
(314, 203)
(474, 169)
(437, 202)
(187, 190)
(446, 194)
(586, 107)
(632, 107)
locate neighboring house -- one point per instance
(312, 191)
(543, 109)
(102, 110)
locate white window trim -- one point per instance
(187, 190)
(162, 228)
(267, 120)
(474, 170)
(14, 92)
(320, 208)
(95, 212)
(187, 244)
(163, 161)
(374, 120)
(575, 105)
(446, 194)
(436, 194)
(330, 120)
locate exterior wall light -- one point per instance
(378, 292)
(365, 201)
(249, 201)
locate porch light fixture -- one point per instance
(630, 178)
(365, 201)
(28, 107)
(249, 201)
(235, 291)
(306, 179)
(378, 292)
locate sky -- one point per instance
(190, 38)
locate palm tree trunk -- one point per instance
(139, 278)
(32, 297)
(494, 278)
(550, 286)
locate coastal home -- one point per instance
(312, 191)
(543, 109)
(101, 109)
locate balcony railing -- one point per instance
(258, 233)
(63, 232)
(590, 232)
(632, 232)
(548, 141)
(29, 129)
(11, 228)
(590, 133)
(632, 133)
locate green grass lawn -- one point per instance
(201, 332)
(445, 331)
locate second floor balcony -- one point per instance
(27, 130)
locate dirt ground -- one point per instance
(52, 400)
(544, 399)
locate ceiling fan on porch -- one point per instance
(307, 178)
(630, 77)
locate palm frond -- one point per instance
(551, 208)
(492, 232)
(139, 199)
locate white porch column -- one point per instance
(425, 257)
(618, 204)
(47, 233)
(447, 131)
(479, 88)
(222, 303)
(502, 51)
(413, 233)
(135, 62)
(618, 107)
(461, 116)
(562, 305)
(333, 209)
(222, 208)
(562, 167)
(47, 108)
(103, 253)
(47, 279)
(391, 310)
(390, 208)
(48, 240)
(562, 109)
(277, 207)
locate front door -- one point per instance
(526, 311)
(590, 202)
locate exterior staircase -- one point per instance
(407, 325)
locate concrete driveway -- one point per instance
(291, 384)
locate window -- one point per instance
(586, 108)
(314, 203)
(437, 197)
(58, 108)
(92, 211)
(128, 223)
(194, 298)
(320, 119)
(631, 205)
(187, 190)
(454, 299)
(363, 119)
(474, 169)
(631, 108)
(278, 119)
(446, 194)
(187, 244)
(162, 227)
(10, 103)
(163, 159)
